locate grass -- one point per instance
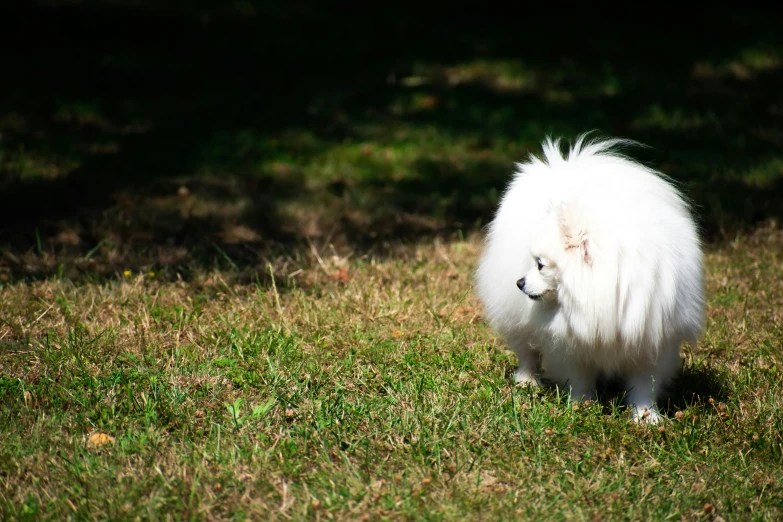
(235, 270)
(368, 389)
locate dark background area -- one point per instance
(129, 131)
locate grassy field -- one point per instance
(363, 389)
(232, 291)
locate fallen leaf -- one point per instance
(97, 440)
(341, 276)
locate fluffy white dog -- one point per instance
(593, 265)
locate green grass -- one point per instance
(376, 392)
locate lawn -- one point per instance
(239, 292)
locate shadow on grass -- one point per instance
(134, 136)
(693, 386)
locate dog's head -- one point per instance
(540, 284)
(562, 244)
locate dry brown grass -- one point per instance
(362, 387)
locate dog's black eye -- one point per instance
(540, 264)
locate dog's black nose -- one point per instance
(521, 284)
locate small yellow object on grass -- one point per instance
(96, 440)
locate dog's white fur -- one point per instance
(620, 283)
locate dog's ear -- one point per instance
(575, 236)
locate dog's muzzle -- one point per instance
(521, 286)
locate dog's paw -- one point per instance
(524, 378)
(648, 415)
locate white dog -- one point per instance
(593, 265)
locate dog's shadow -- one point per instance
(694, 385)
